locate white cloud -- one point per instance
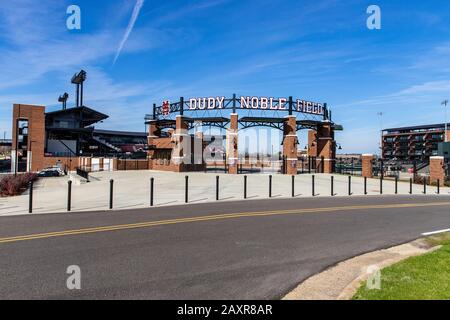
(134, 16)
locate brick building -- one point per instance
(416, 143)
(60, 138)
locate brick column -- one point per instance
(290, 145)
(447, 133)
(181, 153)
(197, 149)
(36, 135)
(152, 129)
(437, 170)
(232, 145)
(312, 143)
(326, 148)
(89, 162)
(367, 165)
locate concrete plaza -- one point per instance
(132, 190)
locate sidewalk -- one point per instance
(132, 190)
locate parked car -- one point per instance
(51, 172)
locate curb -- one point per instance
(341, 281)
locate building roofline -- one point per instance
(120, 133)
(430, 126)
(82, 108)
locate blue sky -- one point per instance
(316, 50)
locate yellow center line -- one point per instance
(212, 217)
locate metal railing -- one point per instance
(83, 172)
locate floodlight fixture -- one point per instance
(63, 99)
(79, 79)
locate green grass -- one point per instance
(425, 277)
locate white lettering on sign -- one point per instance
(309, 107)
(206, 103)
(262, 103)
(281, 103)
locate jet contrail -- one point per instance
(134, 16)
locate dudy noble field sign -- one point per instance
(261, 103)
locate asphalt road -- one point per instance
(257, 249)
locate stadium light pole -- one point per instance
(79, 79)
(444, 103)
(63, 99)
(380, 114)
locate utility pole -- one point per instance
(444, 103)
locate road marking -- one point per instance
(435, 232)
(212, 217)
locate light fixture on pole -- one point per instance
(79, 79)
(444, 103)
(63, 99)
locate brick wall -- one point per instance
(65, 163)
(367, 165)
(132, 164)
(437, 171)
(36, 132)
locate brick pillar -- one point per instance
(326, 148)
(367, 165)
(152, 129)
(290, 145)
(312, 143)
(437, 170)
(34, 150)
(197, 149)
(447, 133)
(114, 162)
(181, 153)
(89, 163)
(232, 145)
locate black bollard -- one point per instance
(152, 185)
(349, 185)
(313, 185)
(365, 185)
(424, 185)
(186, 189)
(332, 186)
(217, 188)
(30, 204)
(245, 187)
(438, 187)
(270, 186)
(410, 185)
(69, 195)
(396, 185)
(111, 191)
(293, 186)
(381, 184)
